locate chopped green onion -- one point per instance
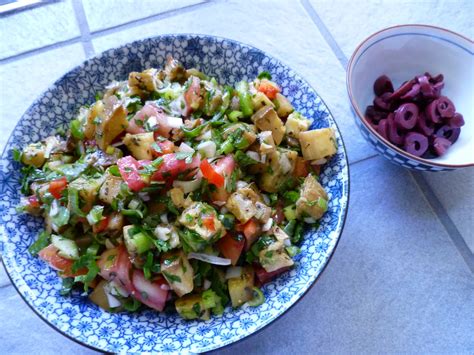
(227, 147)
(298, 233)
(95, 215)
(323, 204)
(245, 98)
(264, 75)
(16, 154)
(291, 196)
(209, 299)
(290, 227)
(76, 129)
(73, 202)
(234, 116)
(258, 297)
(292, 250)
(42, 242)
(290, 212)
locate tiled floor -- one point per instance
(401, 279)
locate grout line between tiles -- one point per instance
(325, 33)
(440, 212)
(436, 206)
(83, 27)
(149, 19)
(100, 33)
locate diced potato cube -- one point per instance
(110, 127)
(267, 144)
(240, 288)
(295, 124)
(274, 257)
(266, 119)
(177, 197)
(88, 189)
(192, 307)
(177, 270)
(260, 100)
(110, 189)
(34, 154)
(318, 143)
(242, 203)
(140, 144)
(192, 218)
(283, 105)
(281, 164)
(313, 199)
(143, 83)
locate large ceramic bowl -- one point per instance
(401, 53)
(150, 331)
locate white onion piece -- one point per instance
(285, 164)
(205, 136)
(263, 158)
(211, 259)
(174, 122)
(266, 199)
(268, 224)
(165, 287)
(144, 196)
(109, 244)
(310, 220)
(206, 284)
(183, 147)
(232, 272)
(207, 149)
(219, 203)
(54, 208)
(188, 186)
(319, 162)
(162, 233)
(254, 155)
(152, 122)
(112, 301)
(164, 218)
(241, 184)
(115, 289)
(287, 242)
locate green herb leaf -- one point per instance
(68, 284)
(76, 129)
(243, 159)
(264, 75)
(16, 154)
(170, 277)
(44, 239)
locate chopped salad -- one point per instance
(171, 189)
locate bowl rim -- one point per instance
(191, 34)
(361, 116)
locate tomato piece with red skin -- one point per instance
(171, 167)
(208, 223)
(129, 170)
(101, 225)
(59, 263)
(225, 167)
(164, 147)
(264, 276)
(192, 96)
(33, 201)
(114, 264)
(152, 293)
(269, 88)
(231, 247)
(301, 167)
(56, 187)
(211, 175)
(252, 230)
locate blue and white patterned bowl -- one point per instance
(402, 52)
(150, 331)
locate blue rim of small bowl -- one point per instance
(361, 116)
(329, 257)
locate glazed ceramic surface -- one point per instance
(148, 330)
(401, 53)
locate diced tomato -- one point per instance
(231, 247)
(33, 201)
(211, 175)
(101, 225)
(153, 293)
(225, 167)
(115, 264)
(301, 167)
(192, 96)
(128, 167)
(252, 230)
(264, 276)
(278, 216)
(165, 147)
(56, 187)
(57, 262)
(208, 223)
(269, 88)
(161, 120)
(171, 167)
